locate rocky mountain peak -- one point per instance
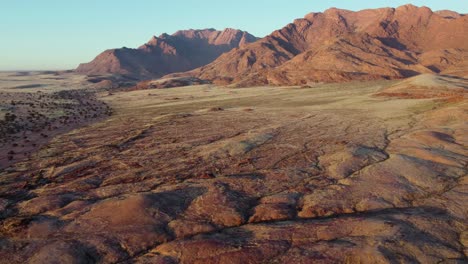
(374, 43)
(184, 50)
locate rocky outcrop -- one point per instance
(327, 174)
(330, 174)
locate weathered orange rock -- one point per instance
(341, 45)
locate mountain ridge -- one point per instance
(181, 51)
(394, 40)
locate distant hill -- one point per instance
(182, 51)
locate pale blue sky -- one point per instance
(59, 34)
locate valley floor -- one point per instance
(206, 174)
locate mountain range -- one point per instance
(181, 51)
(334, 46)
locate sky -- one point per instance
(60, 34)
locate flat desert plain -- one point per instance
(360, 172)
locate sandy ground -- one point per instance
(43, 81)
(207, 174)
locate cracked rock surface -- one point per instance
(205, 174)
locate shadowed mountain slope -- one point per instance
(182, 51)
